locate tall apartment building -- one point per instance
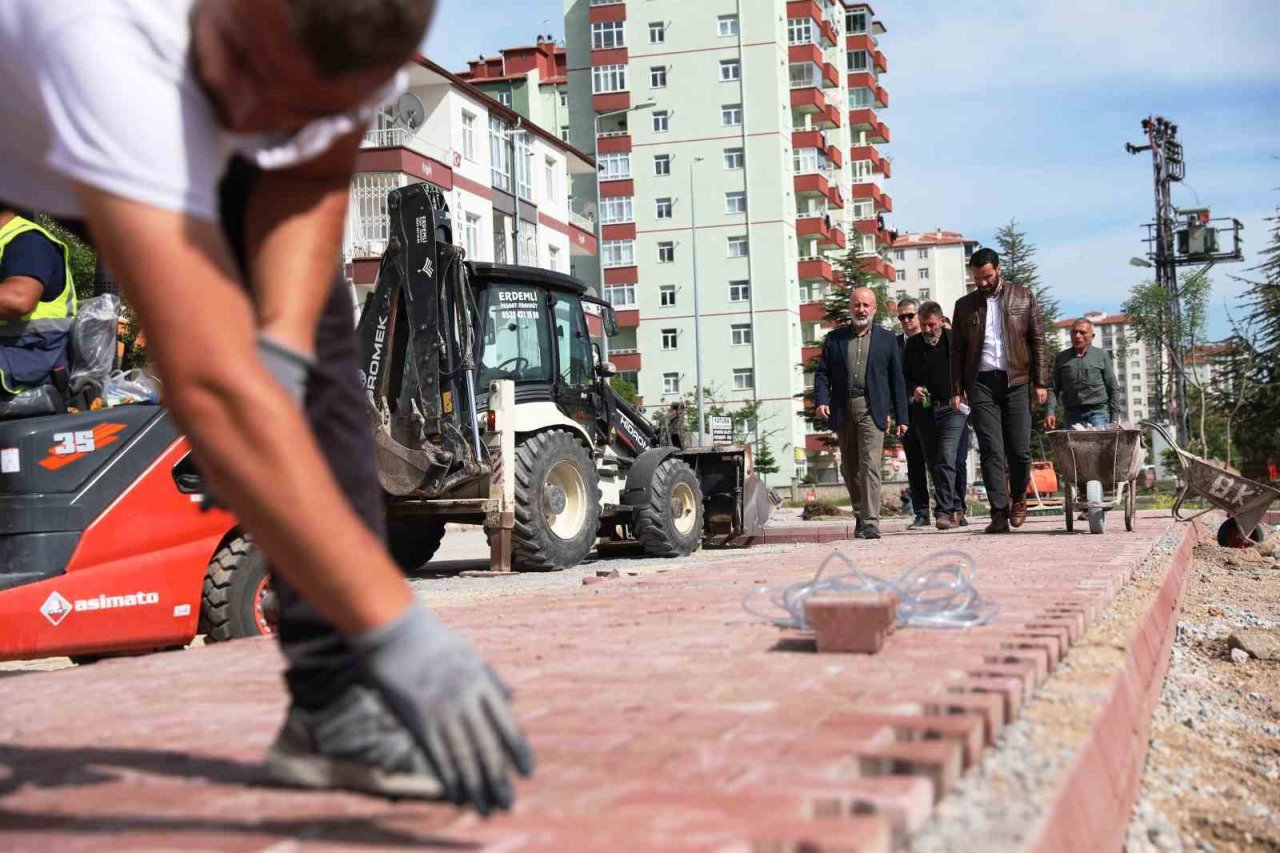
(933, 265)
(1136, 363)
(469, 145)
(736, 151)
(531, 80)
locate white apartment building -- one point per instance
(933, 265)
(490, 162)
(1136, 363)
(736, 153)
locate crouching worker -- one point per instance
(37, 304)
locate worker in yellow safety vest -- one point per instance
(37, 304)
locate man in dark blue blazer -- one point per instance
(858, 378)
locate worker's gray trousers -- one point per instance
(861, 454)
(320, 664)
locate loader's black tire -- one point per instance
(413, 542)
(670, 524)
(238, 600)
(554, 467)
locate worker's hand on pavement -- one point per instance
(452, 704)
(823, 412)
(1042, 396)
(1050, 421)
(288, 366)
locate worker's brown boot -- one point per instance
(944, 521)
(999, 522)
(1018, 513)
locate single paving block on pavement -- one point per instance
(663, 716)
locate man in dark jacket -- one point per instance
(917, 466)
(926, 364)
(859, 375)
(997, 357)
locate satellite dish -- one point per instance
(409, 111)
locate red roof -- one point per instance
(931, 238)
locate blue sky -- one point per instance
(1021, 109)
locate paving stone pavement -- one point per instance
(664, 717)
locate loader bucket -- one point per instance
(755, 505)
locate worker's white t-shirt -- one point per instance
(103, 92)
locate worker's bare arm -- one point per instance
(248, 436)
(19, 296)
(293, 232)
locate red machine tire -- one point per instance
(237, 600)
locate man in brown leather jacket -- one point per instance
(997, 358)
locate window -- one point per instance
(519, 344)
(739, 291)
(615, 167)
(744, 378)
(800, 31)
(553, 258)
(620, 295)
(662, 208)
(902, 294)
(564, 99)
(670, 338)
(860, 96)
(865, 210)
(662, 164)
(922, 274)
(658, 77)
(504, 97)
(606, 35)
(469, 136)
(661, 121)
(924, 293)
(666, 252)
(922, 253)
(671, 383)
(727, 25)
(730, 69)
(855, 22)
(657, 33)
(805, 75)
(902, 275)
(471, 236)
(899, 254)
(731, 115)
(858, 60)
(735, 202)
(618, 253)
(740, 334)
(609, 78)
(499, 155)
(667, 296)
(733, 158)
(862, 171)
(549, 178)
(805, 161)
(737, 247)
(616, 209)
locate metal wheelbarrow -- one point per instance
(1102, 465)
(1244, 501)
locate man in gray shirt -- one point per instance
(1085, 381)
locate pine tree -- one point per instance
(766, 464)
(854, 273)
(1259, 439)
(1017, 262)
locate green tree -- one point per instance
(1017, 262)
(766, 464)
(624, 389)
(854, 273)
(1258, 436)
(84, 263)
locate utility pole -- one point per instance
(697, 305)
(1196, 244)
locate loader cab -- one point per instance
(534, 332)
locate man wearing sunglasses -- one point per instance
(917, 467)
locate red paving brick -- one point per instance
(663, 716)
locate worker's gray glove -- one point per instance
(451, 702)
(288, 366)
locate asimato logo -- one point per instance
(56, 608)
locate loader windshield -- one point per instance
(517, 335)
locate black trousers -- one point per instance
(941, 432)
(1002, 421)
(321, 665)
(917, 463)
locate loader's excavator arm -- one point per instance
(418, 352)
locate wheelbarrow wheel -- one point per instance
(1229, 535)
(1130, 504)
(1097, 517)
(1068, 506)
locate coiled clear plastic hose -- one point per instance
(936, 592)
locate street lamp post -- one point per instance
(697, 304)
(604, 339)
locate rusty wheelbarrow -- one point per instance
(1244, 501)
(1102, 465)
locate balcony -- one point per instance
(808, 354)
(614, 142)
(809, 52)
(816, 268)
(882, 64)
(607, 10)
(872, 226)
(818, 442)
(607, 102)
(868, 152)
(878, 266)
(861, 41)
(625, 359)
(810, 100)
(819, 226)
(835, 197)
(812, 312)
(628, 318)
(813, 183)
(883, 202)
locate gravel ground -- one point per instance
(1213, 774)
(1000, 804)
